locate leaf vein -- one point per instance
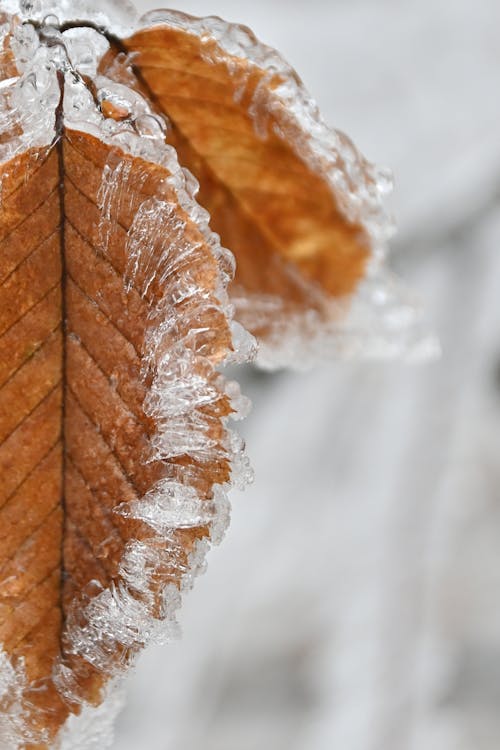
(27, 416)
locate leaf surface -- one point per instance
(113, 437)
(292, 198)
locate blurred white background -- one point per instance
(354, 602)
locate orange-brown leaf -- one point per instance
(77, 436)
(270, 197)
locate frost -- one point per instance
(93, 728)
(170, 505)
(382, 320)
(120, 15)
(13, 709)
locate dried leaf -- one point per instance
(114, 448)
(299, 207)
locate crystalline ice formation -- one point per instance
(121, 15)
(382, 320)
(93, 729)
(13, 728)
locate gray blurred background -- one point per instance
(354, 604)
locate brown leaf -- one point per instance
(112, 324)
(279, 185)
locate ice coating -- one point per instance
(382, 320)
(179, 386)
(93, 728)
(359, 187)
(181, 357)
(13, 725)
(29, 96)
(118, 15)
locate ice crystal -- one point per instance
(121, 15)
(93, 728)
(13, 708)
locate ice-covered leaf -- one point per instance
(301, 209)
(114, 446)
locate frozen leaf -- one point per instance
(114, 448)
(301, 209)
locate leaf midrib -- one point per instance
(59, 144)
